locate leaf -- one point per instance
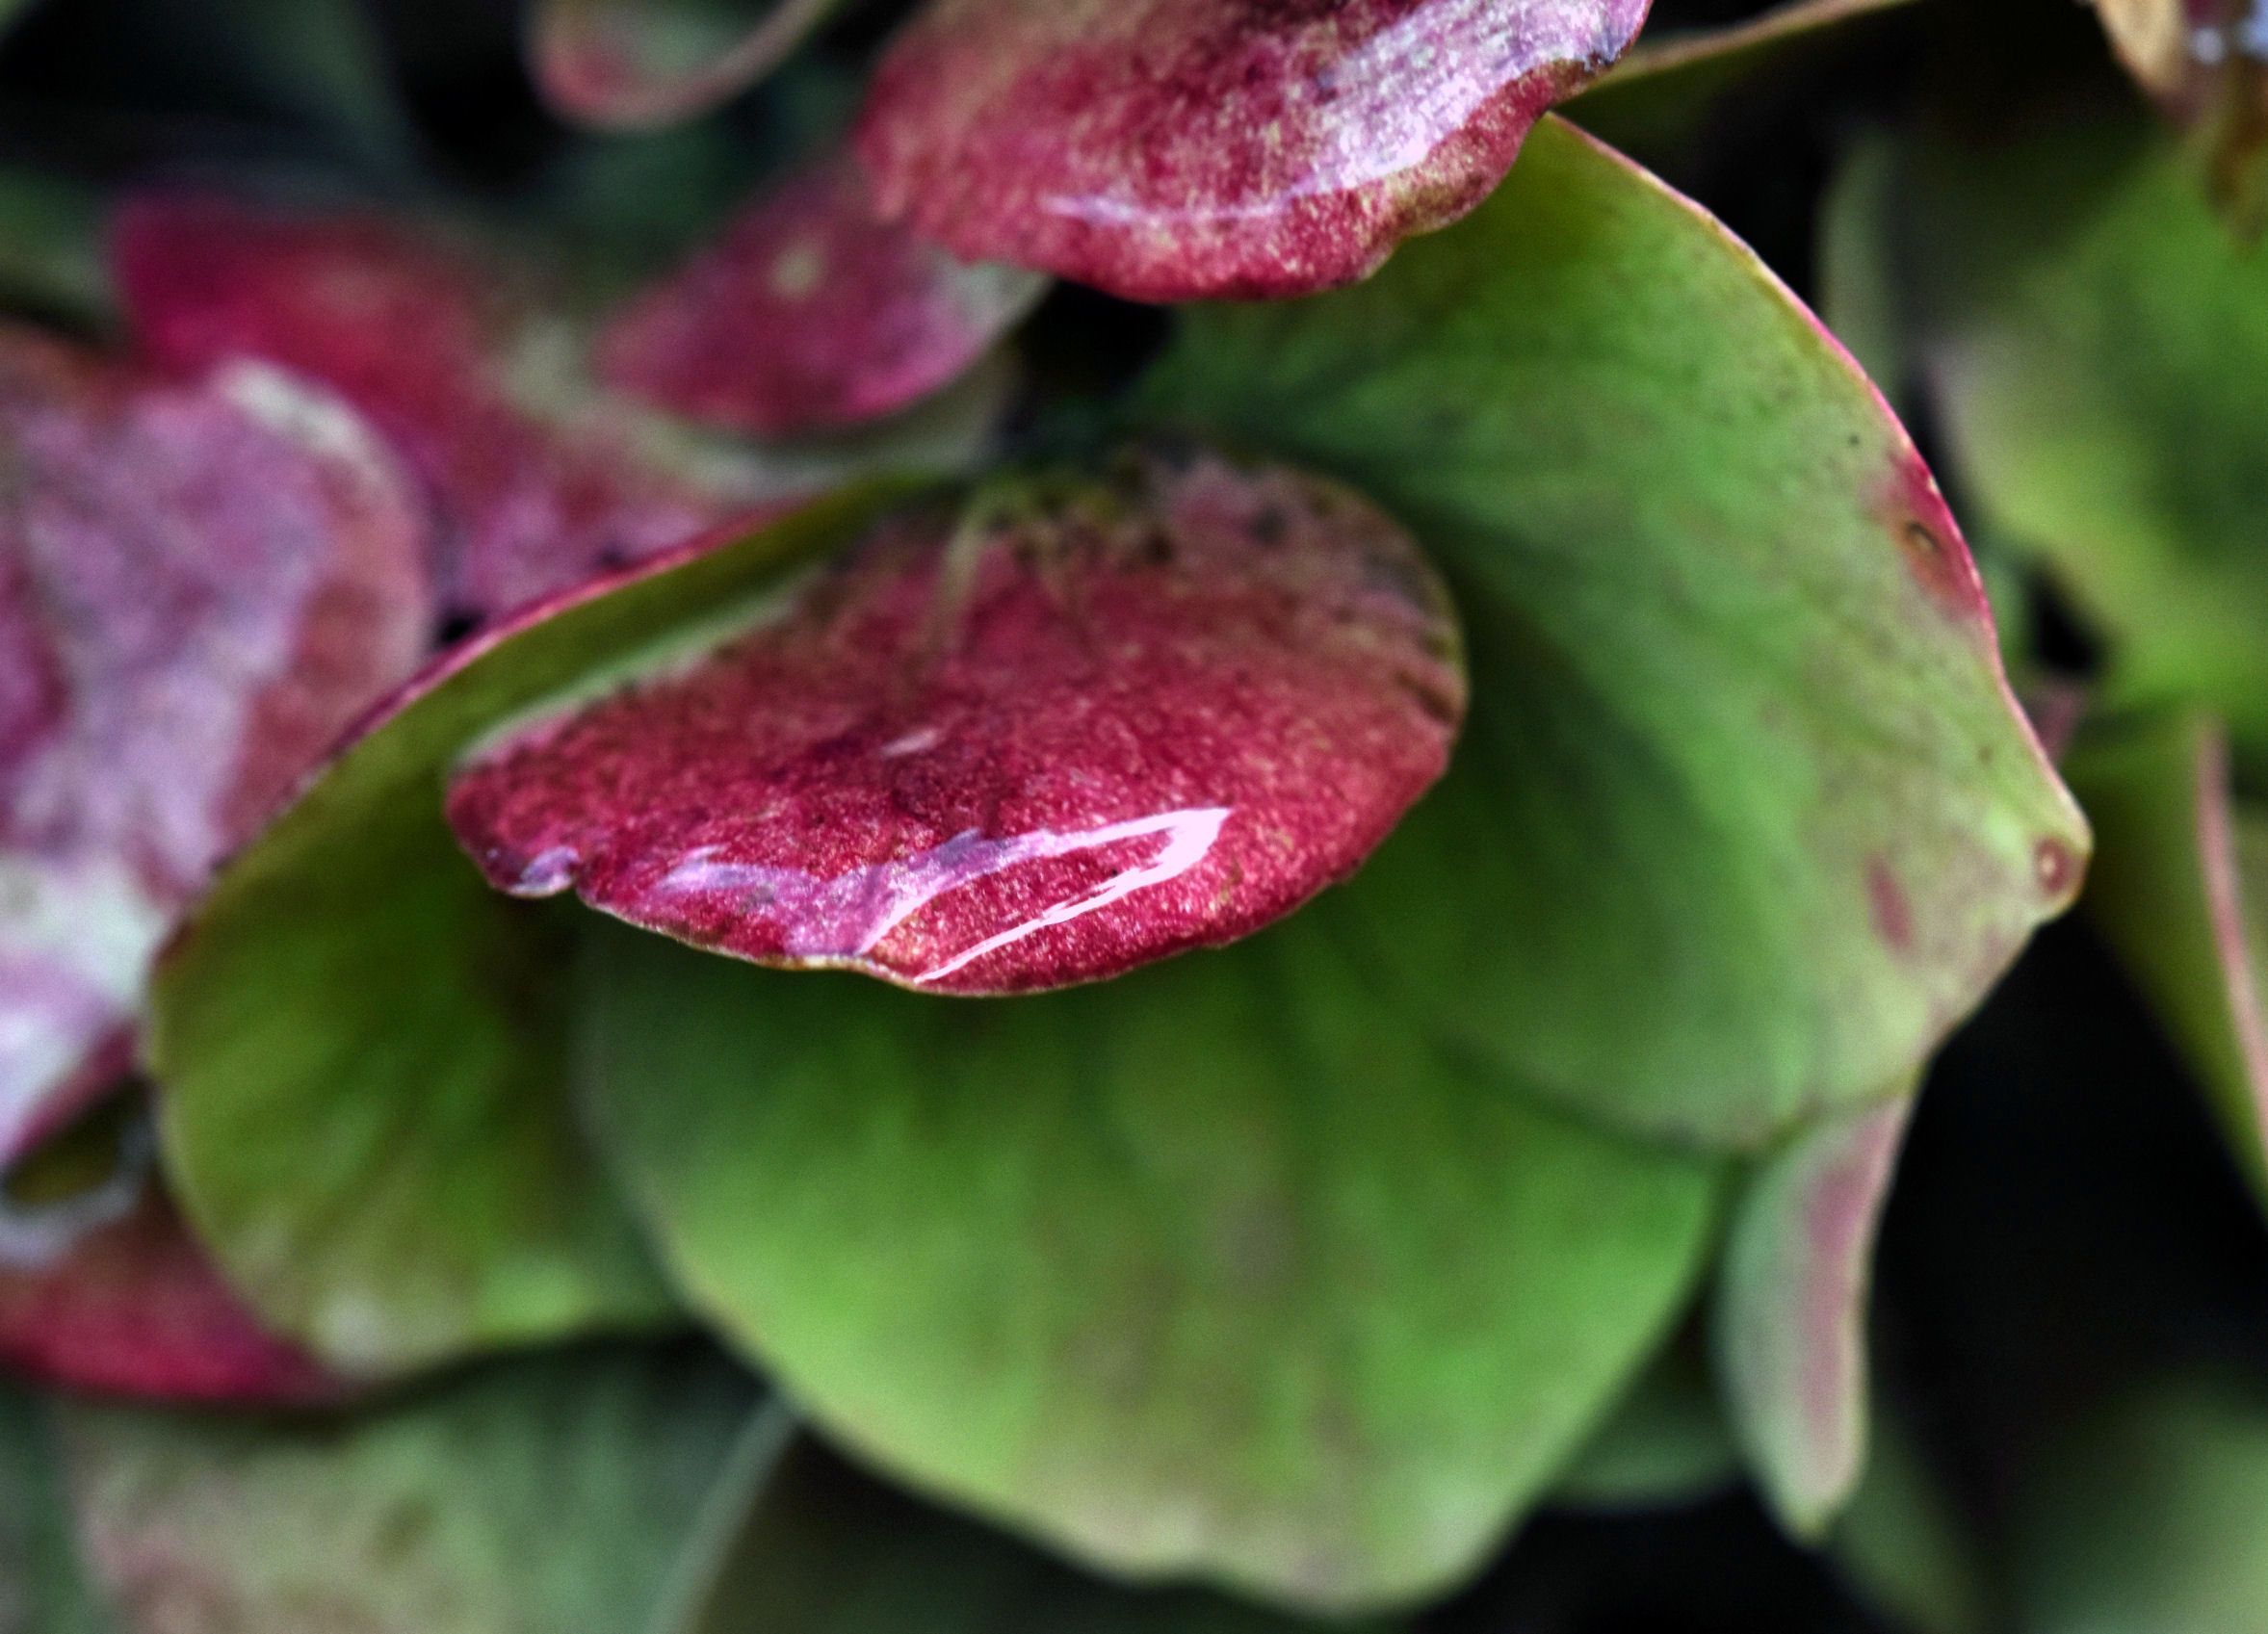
(43, 1584)
(102, 1289)
(1218, 1269)
(200, 584)
(465, 362)
(2206, 63)
(1745, 820)
(2098, 349)
(363, 1046)
(2182, 895)
(633, 64)
(827, 1551)
(1004, 752)
(546, 1496)
(2149, 1520)
(1790, 1317)
(1664, 95)
(1905, 1548)
(1666, 1444)
(1174, 149)
(810, 313)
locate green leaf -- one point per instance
(1745, 820)
(2098, 345)
(363, 1048)
(43, 1583)
(553, 1497)
(1658, 101)
(827, 1551)
(1907, 1550)
(2181, 893)
(1791, 1325)
(1667, 1444)
(2148, 1520)
(1218, 1268)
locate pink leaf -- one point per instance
(1177, 150)
(811, 314)
(200, 584)
(1107, 724)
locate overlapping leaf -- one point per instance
(363, 1046)
(811, 313)
(994, 754)
(200, 584)
(1744, 818)
(1174, 149)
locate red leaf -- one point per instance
(1131, 721)
(811, 314)
(1176, 149)
(423, 337)
(122, 1300)
(200, 584)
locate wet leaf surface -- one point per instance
(1221, 1268)
(1014, 749)
(631, 63)
(1790, 1315)
(402, 1181)
(1744, 818)
(1176, 149)
(811, 313)
(200, 584)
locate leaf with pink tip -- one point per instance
(537, 480)
(2182, 895)
(634, 64)
(200, 584)
(1177, 150)
(999, 753)
(811, 313)
(1791, 1306)
(103, 1289)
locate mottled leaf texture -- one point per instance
(1790, 1317)
(2099, 346)
(534, 482)
(200, 584)
(2182, 895)
(546, 1496)
(1223, 1268)
(811, 313)
(362, 1044)
(1007, 749)
(1176, 149)
(1743, 819)
(636, 63)
(828, 1550)
(102, 1289)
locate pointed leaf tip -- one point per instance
(1020, 751)
(1179, 149)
